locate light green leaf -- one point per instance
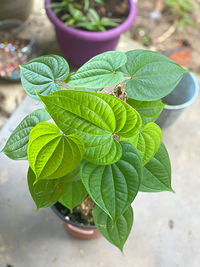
(128, 120)
(148, 110)
(96, 118)
(41, 74)
(100, 71)
(157, 173)
(45, 193)
(51, 154)
(148, 141)
(73, 195)
(114, 187)
(153, 75)
(16, 146)
(118, 233)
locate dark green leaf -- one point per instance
(45, 193)
(157, 173)
(153, 75)
(41, 74)
(114, 187)
(74, 175)
(118, 233)
(16, 146)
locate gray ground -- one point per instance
(166, 230)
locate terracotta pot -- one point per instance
(17, 9)
(76, 229)
(78, 46)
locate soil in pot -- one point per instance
(116, 10)
(79, 223)
(81, 214)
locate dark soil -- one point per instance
(80, 214)
(117, 10)
(162, 35)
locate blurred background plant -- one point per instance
(85, 14)
(180, 10)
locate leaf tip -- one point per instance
(36, 210)
(71, 210)
(21, 67)
(36, 180)
(122, 250)
(172, 191)
(36, 91)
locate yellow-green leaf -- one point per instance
(51, 154)
(148, 141)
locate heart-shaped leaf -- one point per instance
(96, 118)
(157, 173)
(114, 187)
(148, 141)
(148, 110)
(118, 233)
(153, 75)
(51, 154)
(73, 195)
(45, 193)
(128, 120)
(16, 146)
(41, 73)
(100, 71)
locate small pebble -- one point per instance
(171, 224)
(12, 54)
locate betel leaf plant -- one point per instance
(103, 143)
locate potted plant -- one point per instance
(83, 33)
(103, 148)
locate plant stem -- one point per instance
(86, 208)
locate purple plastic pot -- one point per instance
(78, 46)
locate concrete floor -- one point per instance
(166, 231)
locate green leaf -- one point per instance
(148, 141)
(74, 175)
(114, 187)
(41, 74)
(100, 71)
(16, 146)
(148, 110)
(45, 193)
(73, 195)
(96, 118)
(118, 233)
(51, 154)
(128, 121)
(157, 173)
(153, 75)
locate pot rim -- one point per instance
(92, 36)
(189, 102)
(67, 220)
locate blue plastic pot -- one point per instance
(183, 95)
